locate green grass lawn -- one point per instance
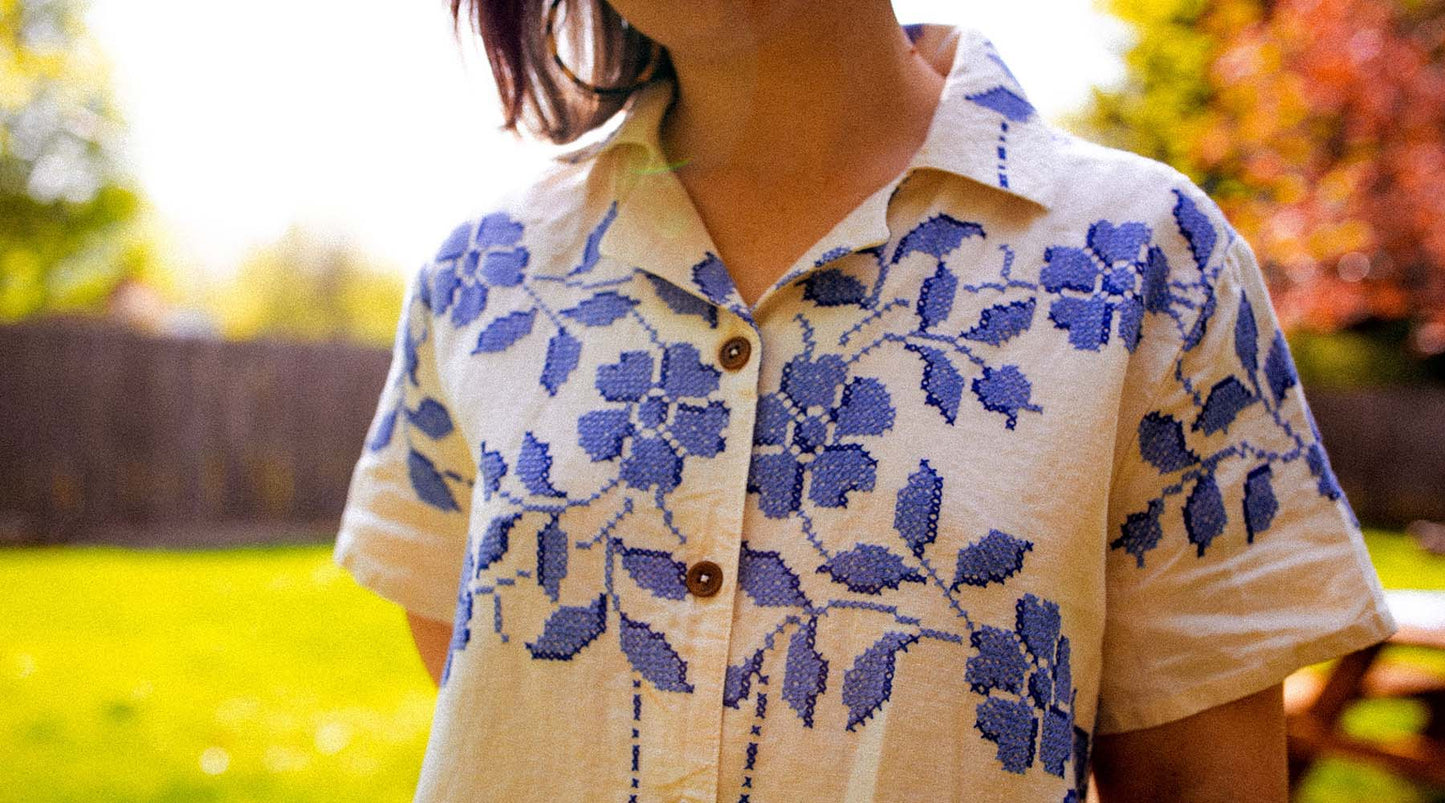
(268, 675)
(242, 675)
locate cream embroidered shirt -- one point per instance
(1014, 456)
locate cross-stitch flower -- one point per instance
(1116, 274)
(809, 418)
(655, 418)
(473, 258)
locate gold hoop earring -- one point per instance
(654, 58)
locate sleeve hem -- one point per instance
(1148, 713)
(398, 584)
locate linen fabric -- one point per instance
(1018, 457)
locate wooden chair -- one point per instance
(1315, 702)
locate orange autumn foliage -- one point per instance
(1319, 125)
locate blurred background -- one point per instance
(207, 215)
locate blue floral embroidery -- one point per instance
(657, 417)
(657, 411)
(1179, 449)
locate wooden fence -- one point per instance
(111, 436)
(108, 435)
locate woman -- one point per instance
(836, 429)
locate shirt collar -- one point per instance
(983, 129)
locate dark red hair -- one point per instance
(533, 90)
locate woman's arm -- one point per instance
(431, 638)
(1232, 752)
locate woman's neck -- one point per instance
(819, 91)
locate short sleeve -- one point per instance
(1234, 556)
(404, 525)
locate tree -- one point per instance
(1319, 125)
(309, 285)
(67, 207)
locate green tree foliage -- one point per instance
(309, 285)
(66, 206)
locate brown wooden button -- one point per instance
(704, 578)
(734, 353)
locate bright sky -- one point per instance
(366, 116)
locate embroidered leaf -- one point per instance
(1246, 335)
(915, 516)
(562, 353)
(833, 288)
(806, 673)
(1204, 516)
(937, 236)
(1004, 101)
(652, 657)
(384, 428)
(738, 678)
(656, 571)
(1226, 399)
(935, 298)
(869, 683)
(1140, 532)
(1004, 390)
(1161, 442)
(991, 559)
(431, 417)
(1003, 322)
(569, 629)
(534, 467)
(494, 541)
(1010, 724)
(1260, 504)
(461, 618)
(551, 557)
(866, 408)
(711, 276)
(768, 580)
(504, 331)
(591, 251)
(999, 662)
(1157, 295)
(868, 569)
(601, 309)
(942, 384)
(682, 302)
(1196, 228)
(1279, 368)
(428, 483)
(493, 468)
